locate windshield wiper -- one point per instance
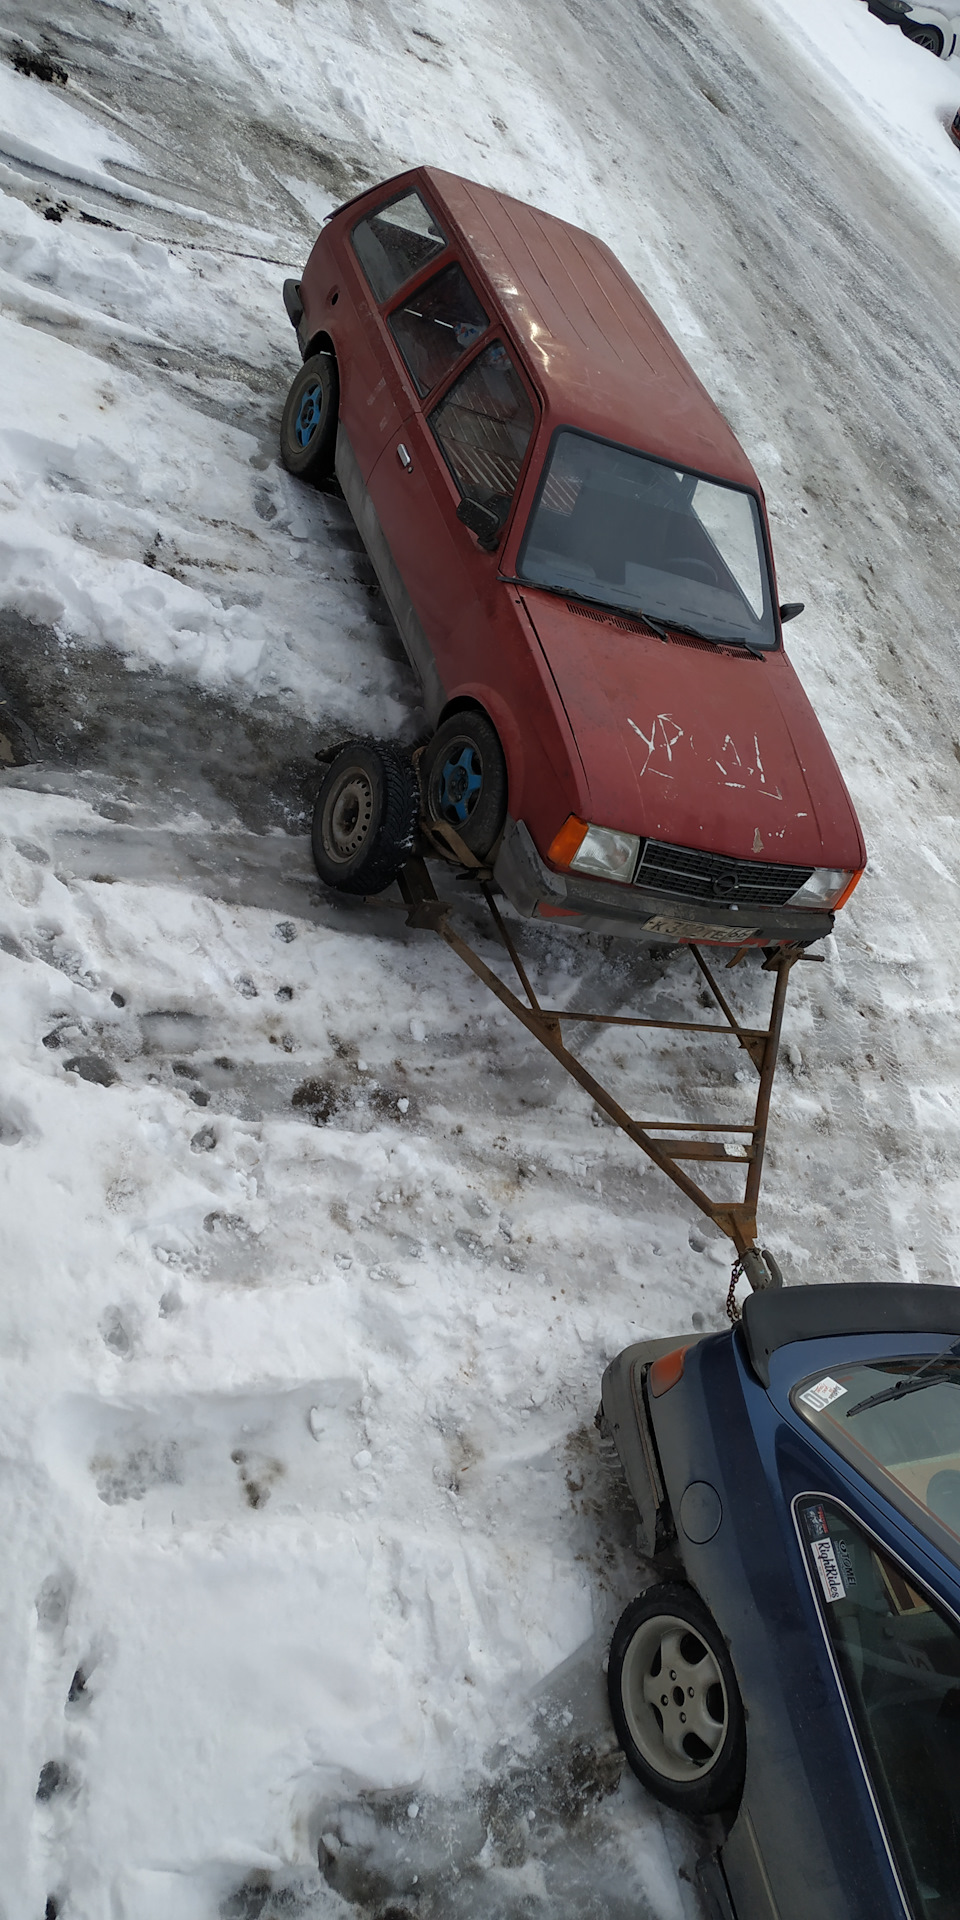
(909, 1382)
(591, 600)
(721, 639)
(662, 626)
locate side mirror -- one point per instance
(792, 608)
(482, 521)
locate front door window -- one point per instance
(483, 426)
(899, 1660)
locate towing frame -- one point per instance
(668, 1143)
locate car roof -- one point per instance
(603, 360)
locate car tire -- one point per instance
(929, 37)
(365, 818)
(463, 779)
(675, 1701)
(308, 429)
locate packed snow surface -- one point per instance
(312, 1267)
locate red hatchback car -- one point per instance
(576, 553)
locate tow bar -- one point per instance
(736, 1218)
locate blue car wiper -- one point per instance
(911, 1382)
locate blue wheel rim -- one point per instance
(308, 416)
(461, 778)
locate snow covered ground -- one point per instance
(311, 1269)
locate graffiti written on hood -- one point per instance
(663, 737)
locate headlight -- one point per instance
(601, 850)
(827, 887)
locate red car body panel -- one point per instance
(679, 741)
(713, 749)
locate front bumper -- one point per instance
(655, 919)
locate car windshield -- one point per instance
(898, 1658)
(630, 532)
(911, 1434)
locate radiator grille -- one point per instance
(715, 876)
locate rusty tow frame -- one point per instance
(668, 1143)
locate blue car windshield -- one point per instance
(614, 526)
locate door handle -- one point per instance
(404, 457)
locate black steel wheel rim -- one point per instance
(347, 817)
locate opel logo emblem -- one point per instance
(724, 886)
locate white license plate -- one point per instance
(698, 929)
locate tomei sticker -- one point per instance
(820, 1396)
(828, 1568)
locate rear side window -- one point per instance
(437, 325)
(395, 242)
(899, 1660)
(484, 425)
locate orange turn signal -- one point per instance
(666, 1371)
(568, 841)
(847, 891)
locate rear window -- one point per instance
(438, 324)
(484, 425)
(396, 242)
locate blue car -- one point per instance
(794, 1669)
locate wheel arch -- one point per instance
(319, 343)
(504, 725)
(912, 29)
(463, 703)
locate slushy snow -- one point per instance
(312, 1265)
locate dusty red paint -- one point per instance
(678, 741)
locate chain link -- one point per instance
(733, 1311)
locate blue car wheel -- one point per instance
(675, 1701)
(464, 778)
(308, 430)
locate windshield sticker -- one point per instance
(828, 1568)
(820, 1396)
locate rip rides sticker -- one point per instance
(828, 1569)
(820, 1396)
(823, 1553)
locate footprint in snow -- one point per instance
(53, 1604)
(115, 1333)
(59, 1783)
(91, 1067)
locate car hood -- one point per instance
(686, 743)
